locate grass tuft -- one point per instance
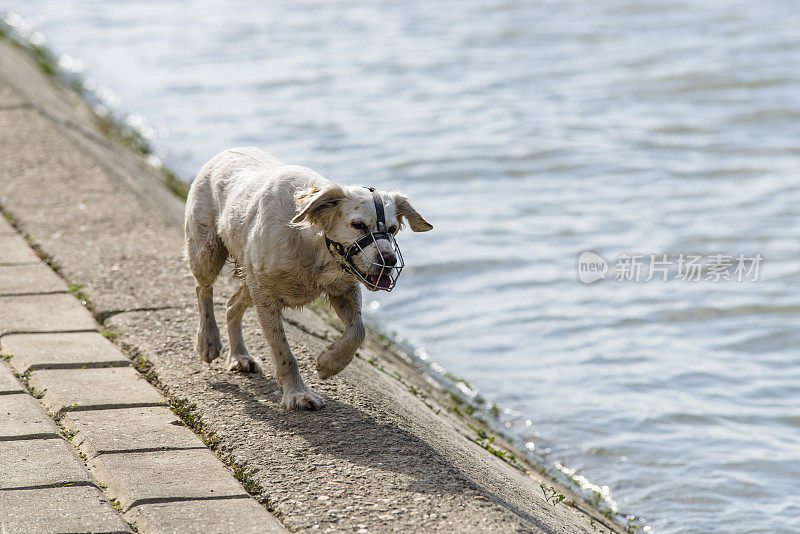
(244, 475)
(25, 379)
(174, 183)
(109, 334)
(77, 290)
(551, 495)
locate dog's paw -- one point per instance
(243, 363)
(304, 399)
(330, 363)
(208, 345)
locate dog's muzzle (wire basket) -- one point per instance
(382, 273)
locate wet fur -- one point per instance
(270, 219)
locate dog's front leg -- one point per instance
(296, 395)
(340, 353)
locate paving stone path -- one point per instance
(88, 445)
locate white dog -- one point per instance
(292, 235)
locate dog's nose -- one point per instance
(389, 258)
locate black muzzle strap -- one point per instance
(373, 236)
(381, 215)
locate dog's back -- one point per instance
(237, 171)
(241, 189)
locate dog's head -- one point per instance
(346, 215)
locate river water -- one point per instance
(528, 133)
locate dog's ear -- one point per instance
(318, 206)
(406, 211)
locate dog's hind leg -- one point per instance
(239, 358)
(296, 395)
(207, 255)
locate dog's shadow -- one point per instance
(400, 459)
(302, 445)
(341, 429)
(348, 433)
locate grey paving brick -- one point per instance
(132, 477)
(129, 429)
(29, 278)
(39, 462)
(61, 351)
(221, 516)
(44, 313)
(71, 389)
(66, 509)
(14, 249)
(22, 415)
(8, 382)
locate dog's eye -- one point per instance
(392, 229)
(359, 225)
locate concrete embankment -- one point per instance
(391, 452)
